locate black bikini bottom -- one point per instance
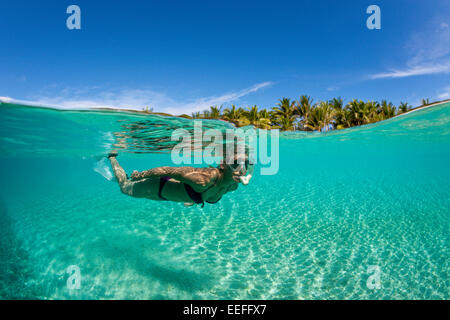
(195, 196)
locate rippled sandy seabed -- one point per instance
(377, 195)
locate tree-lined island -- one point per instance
(306, 115)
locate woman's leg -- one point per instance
(126, 186)
(146, 188)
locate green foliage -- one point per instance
(303, 114)
(214, 112)
(403, 107)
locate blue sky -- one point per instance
(182, 56)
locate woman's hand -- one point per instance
(237, 176)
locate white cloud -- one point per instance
(204, 103)
(414, 71)
(429, 51)
(445, 93)
(136, 99)
(6, 99)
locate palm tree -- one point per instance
(303, 109)
(284, 107)
(283, 113)
(388, 109)
(241, 111)
(215, 112)
(425, 102)
(252, 115)
(232, 114)
(337, 103)
(264, 121)
(371, 112)
(315, 119)
(264, 114)
(147, 110)
(196, 115)
(328, 114)
(206, 114)
(338, 106)
(286, 122)
(355, 112)
(403, 107)
(321, 117)
(343, 119)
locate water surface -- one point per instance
(377, 195)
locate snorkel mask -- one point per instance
(245, 168)
(239, 165)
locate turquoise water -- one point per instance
(377, 195)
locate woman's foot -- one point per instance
(112, 154)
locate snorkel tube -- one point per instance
(249, 174)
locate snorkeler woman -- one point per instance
(183, 184)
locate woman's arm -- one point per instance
(198, 178)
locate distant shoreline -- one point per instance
(234, 124)
(423, 107)
(184, 116)
(31, 104)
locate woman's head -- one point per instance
(239, 165)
